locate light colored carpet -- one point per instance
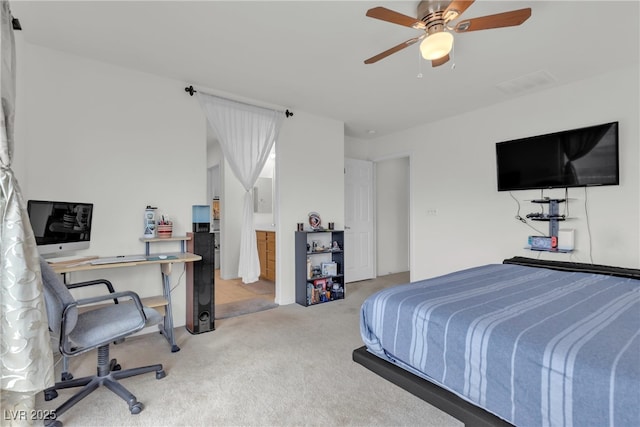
(289, 366)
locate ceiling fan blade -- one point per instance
(394, 49)
(438, 62)
(455, 9)
(499, 20)
(389, 15)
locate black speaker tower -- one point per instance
(201, 284)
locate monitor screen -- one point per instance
(573, 158)
(60, 227)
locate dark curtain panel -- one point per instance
(577, 144)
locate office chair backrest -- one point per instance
(57, 298)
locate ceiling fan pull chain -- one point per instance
(453, 56)
(419, 66)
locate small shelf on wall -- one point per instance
(148, 240)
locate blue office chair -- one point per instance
(94, 328)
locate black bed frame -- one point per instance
(468, 413)
(437, 396)
(630, 273)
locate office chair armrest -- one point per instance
(92, 282)
(64, 340)
(134, 296)
(107, 283)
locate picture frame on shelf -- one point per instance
(329, 268)
(315, 221)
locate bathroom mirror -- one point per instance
(263, 196)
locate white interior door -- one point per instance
(359, 221)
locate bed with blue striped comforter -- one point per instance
(534, 346)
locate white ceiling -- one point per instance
(308, 55)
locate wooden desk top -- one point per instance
(179, 257)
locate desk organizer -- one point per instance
(164, 230)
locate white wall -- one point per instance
(310, 177)
(121, 139)
(453, 176)
(356, 148)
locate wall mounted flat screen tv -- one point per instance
(574, 158)
(60, 227)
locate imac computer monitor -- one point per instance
(60, 227)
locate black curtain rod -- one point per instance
(191, 91)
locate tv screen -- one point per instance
(60, 226)
(573, 158)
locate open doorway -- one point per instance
(225, 193)
(392, 177)
(377, 221)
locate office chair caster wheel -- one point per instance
(66, 376)
(136, 408)
(160, 374)
(114, 365)
(50, 395)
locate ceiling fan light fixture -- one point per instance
(436, 45)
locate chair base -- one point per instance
(108, 375)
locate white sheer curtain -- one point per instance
(26, 360)
(246, 133)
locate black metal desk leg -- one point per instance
(166, 328)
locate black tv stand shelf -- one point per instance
(549, 218)
(563, 251)
(553, 217)
(547, 200)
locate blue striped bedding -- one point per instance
(534, 346)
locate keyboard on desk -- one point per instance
(118, 259)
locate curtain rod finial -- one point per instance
(288, 113)
(190, 89)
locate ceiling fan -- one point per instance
(434, 18)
